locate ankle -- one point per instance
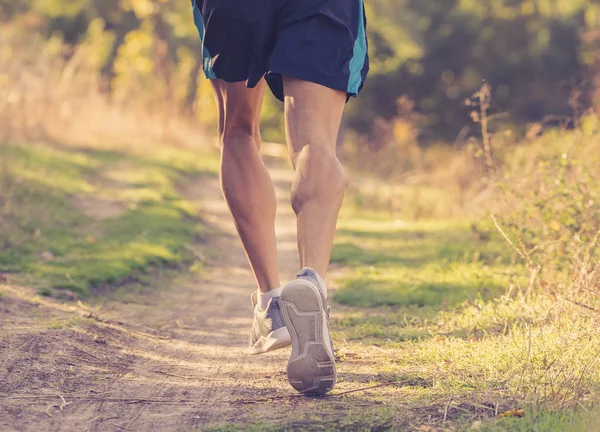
(265, 298)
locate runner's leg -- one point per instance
(313, 114)
(245, 181)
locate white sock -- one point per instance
(263, 298)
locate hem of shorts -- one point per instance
(321, 81)
(249, 83)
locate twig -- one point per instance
(534, 273)
(385, 384)
(594, 242)
(94, 419)
(526, 257)
(581, 304)
(446, 410)
(458, 407)
(103, 311)
(476, 405)
(100, 418)
(174, 375)
(119, 426)
(96, 316)
(499, 228)
(46, 412)
(379, 349)
(64, 403)
(270, 399)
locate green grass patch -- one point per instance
(427, 264)
(78, 218)
(443, 303)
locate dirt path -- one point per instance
(165, 359)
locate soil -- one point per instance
(167, 358)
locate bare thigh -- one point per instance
(239, 106)
(313, 114)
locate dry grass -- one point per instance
(51, 92)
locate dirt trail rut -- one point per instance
(166, 359)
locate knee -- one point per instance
(238, 135)
(321, 161)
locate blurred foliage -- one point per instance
(434, 52)
(554, 223)
(440, 52)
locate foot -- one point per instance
(268, 329)
(311, 368)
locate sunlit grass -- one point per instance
(50, 242)
(416, 264)
(445, 306)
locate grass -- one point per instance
(437, 312)
(76, 218)
(384, 419)
(436, 264)
(446, 306)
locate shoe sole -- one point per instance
(277, 339)
(311, 368)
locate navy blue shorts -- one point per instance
(321, 41)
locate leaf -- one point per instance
(440, 339)
(512, 413)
